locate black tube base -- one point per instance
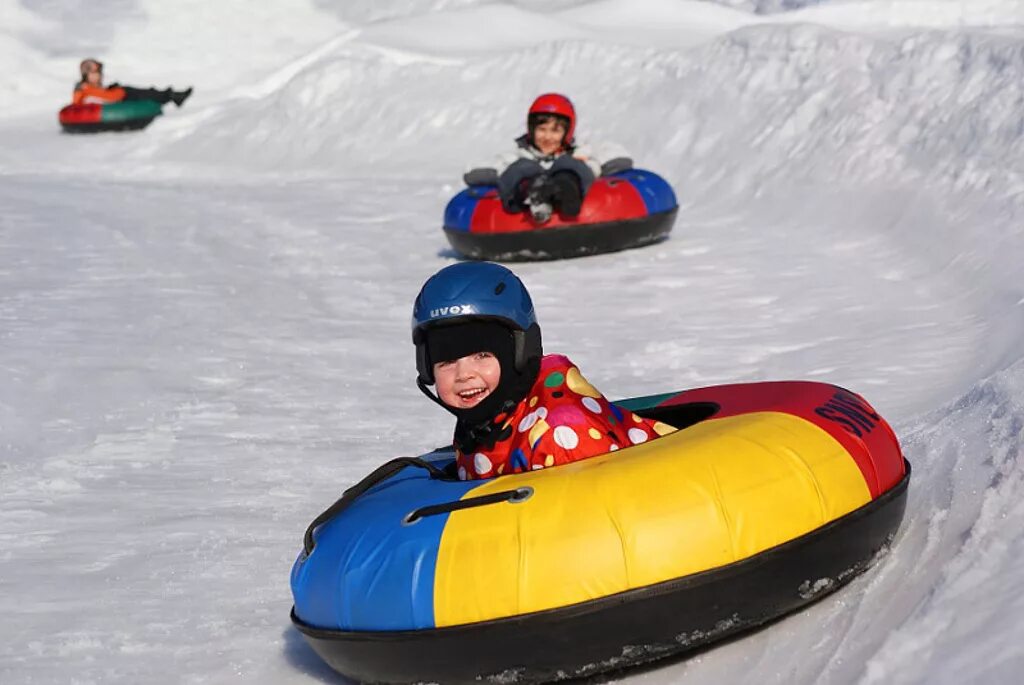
(100, 127)
(563, 242)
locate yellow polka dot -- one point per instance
(549, 460)
(594, 433)
(501, 468)
(539, 429)
(663, 428)
(579, 385)
(533, 401)
(637, 419)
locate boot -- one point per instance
(179, 97)
(566, 193)
(539, 199)
(134, 94)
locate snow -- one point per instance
(204, 326)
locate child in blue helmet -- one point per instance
(547, 171)
(477, 340)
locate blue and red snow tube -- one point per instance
(625, 209)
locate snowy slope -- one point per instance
(203, 326)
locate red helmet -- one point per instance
(554, 103)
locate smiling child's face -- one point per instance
(465, 382)
(548, 136)
(95, 75)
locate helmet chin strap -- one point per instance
(426, 391)
(467, 435)
(460, 414)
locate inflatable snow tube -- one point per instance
(768, 497)
(623, 210)
(116, 116)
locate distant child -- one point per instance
(89, 90)
(477, 340)
(547, 171)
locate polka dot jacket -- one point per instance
(562, 419)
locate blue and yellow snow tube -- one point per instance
(769, 496)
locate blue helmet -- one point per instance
(475, 291)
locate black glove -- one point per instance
(481, 177)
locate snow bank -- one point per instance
(932, 109)
(221, 48)
(961, 550)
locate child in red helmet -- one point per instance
(90, 90)
(479, 344)
(548, 171)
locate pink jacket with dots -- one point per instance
(562, 419)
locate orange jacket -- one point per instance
(88, 94)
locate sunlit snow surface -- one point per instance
(204, 326)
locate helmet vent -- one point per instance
(498, 289)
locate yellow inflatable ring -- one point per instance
(768, 496)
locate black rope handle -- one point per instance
(379, 475)
(514, 496)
